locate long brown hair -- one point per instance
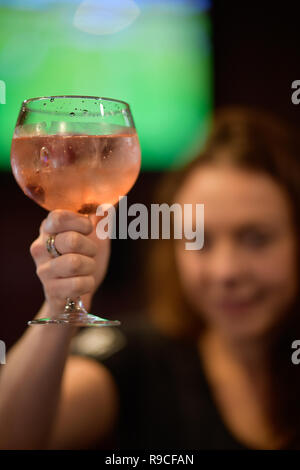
(257, 141)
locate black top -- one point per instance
(165, 399)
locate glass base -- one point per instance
(75, 315)
(80, 320)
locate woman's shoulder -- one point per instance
(135, 339)
(136, 350)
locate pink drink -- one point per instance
(76, 172)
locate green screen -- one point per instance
(154, 55)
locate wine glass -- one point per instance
(75, 153)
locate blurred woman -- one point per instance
(210, 366)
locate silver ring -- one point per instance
(50, 245)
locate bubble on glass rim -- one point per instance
(35, 192)
(44, 156)
(102, 17)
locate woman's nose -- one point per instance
(226, 265)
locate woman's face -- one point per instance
(245, 277)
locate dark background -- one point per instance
(257, 57)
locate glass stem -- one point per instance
(74, 308)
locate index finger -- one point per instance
(64, 221)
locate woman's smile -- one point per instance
(237, 306)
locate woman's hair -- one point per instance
(259, 142)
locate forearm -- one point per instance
(30, 384)
(31, 379)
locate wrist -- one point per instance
(47, 312)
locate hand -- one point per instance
(83, 263)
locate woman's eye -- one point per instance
(255, 239)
